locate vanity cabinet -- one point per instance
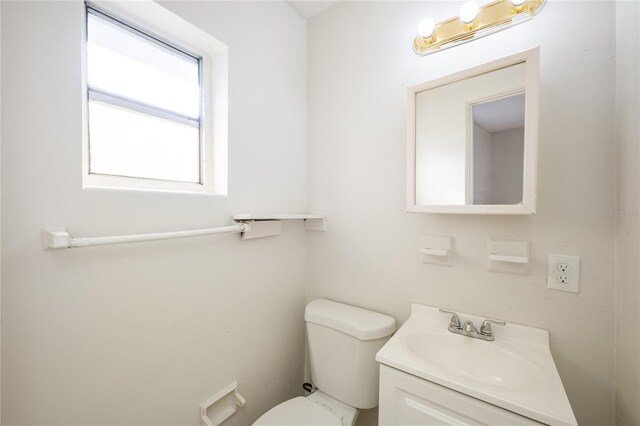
(409, 400)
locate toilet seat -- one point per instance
(298, 411)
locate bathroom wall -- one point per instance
(0, 223)
(628, 184)
(360, 62)
(140, 334)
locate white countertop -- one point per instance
(515, 372)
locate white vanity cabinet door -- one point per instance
(409, 400)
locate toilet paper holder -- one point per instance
(221, 406)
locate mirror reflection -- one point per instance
(469, 140)
(498, 151)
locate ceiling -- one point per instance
(503, 114)
(311, 7)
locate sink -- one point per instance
(515, 371)
(502, 365)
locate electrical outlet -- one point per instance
(563, 273)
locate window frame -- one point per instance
(150, 20)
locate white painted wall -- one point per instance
(627, 229)
(0, 217)
(360, 62)
(140, 334)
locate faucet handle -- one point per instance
(485, 328)
(455, 320)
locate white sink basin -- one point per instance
(515, 372)
(501, 366)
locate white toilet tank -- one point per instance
(343, 342)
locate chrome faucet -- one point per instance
(469, 329)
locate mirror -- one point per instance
(473, 139)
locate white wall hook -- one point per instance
(436, 249)
(222, 405)
(508, 256)
(434, 252)
(510, 259)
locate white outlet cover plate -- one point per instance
(572, 273)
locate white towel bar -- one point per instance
(250, 226)
(58, 240)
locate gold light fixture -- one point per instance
(473, 22)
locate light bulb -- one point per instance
(469, 12)
(426, 27)
(518, 3)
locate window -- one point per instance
(146, 105)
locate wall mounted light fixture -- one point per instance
(473, 22)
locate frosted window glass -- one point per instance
(123, 63)
(126, 143)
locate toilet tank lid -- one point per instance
(357, 322)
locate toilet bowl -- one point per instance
(316, 409)
(343, 341)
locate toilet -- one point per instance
(343, 342)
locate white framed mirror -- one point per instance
(473, 139)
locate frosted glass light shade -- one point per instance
(469, 12)
(426, 27)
